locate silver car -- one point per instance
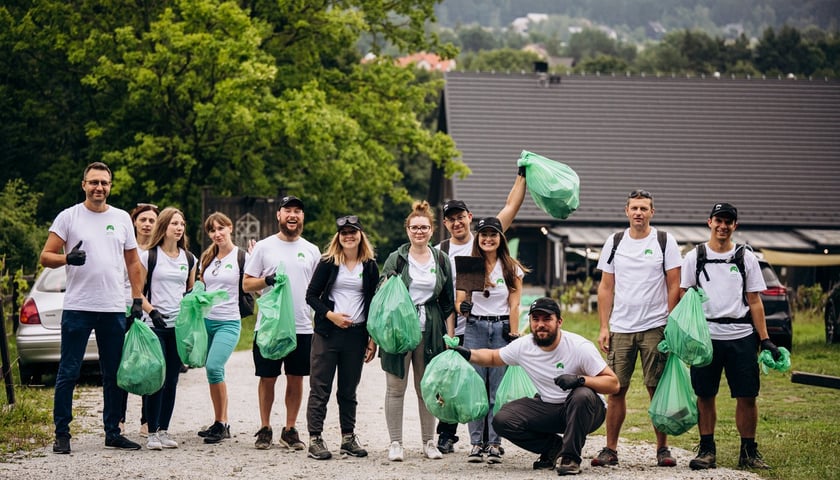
(39, 328)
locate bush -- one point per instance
(810, 299)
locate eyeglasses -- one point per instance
(216, 265)
(640, 193)
(349, 219)
(96, 183)
(419, 228)
(460, 218)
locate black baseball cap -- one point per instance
(491, 223)
(724, 210)
(351, 221)
(289, 201)
(452, 206)
(545, 304)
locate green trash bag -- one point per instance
(673, 408)
(554, 186)
(277, 336)
(687, 332)
(451, 389)
(142, 367)
(515, 384)
(393, 323)
(765, 359)
(190, 331)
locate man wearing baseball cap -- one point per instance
(571, 378)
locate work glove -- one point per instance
(136, 310)
(76, 256)
(158, 320)
(270, 280)
(506, 333)
(767, 344)
(128, 323)
(463, 351)
(465, 308)
(521, 171)
(567, 381)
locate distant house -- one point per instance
(770, 146)
(427, 61)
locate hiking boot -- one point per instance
(705, 458)
(431, 451)
(494, 454)
(395, 452)
(62, 444)
(216, 433)
(290, 439)
(446, 444)
(567, 466)
(606, 457)
(153, 442)
(264, 437)
(318, 449)
(121, 443)
(350, 446)
(166, 440)
(750, 458)
(548, 460)
(664, 458)
(476, 454)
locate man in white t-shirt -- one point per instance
(640, 285)
(299, 259)
(736, 321)
(457, 219)
(570, 377)
(94, 299)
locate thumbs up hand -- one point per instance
(76, 256)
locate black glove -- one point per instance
(521, 171)
(767, 344)
(128, 323)
(463, 351)
(136, 310)
(270, 280)
(506, 333)
(567, 381)
(157, 319)
(465, 308)
(76, 256)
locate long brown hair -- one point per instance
(208, 255)
(162, 223)
(509, 264)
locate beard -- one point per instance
(544, 341)
(284, 228)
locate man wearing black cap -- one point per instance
(570, 377)
(298, 258)
(737, 326)
(457, 219)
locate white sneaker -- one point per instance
(154, 442)
(432, 451)
(395, 452)
(165, 440)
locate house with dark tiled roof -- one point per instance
(770, 146)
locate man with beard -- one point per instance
(298, 258)
(570, 377)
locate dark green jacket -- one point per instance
(438, 308)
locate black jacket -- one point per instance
(320, 287)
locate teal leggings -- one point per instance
(223, 335)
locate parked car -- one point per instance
(39, 328)
(776, 307)
(832, 316)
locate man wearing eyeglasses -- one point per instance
(457, 219)
(94, 299)
(299, 259)
(640, 283)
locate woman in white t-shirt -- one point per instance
(492, 322)
(172, 275)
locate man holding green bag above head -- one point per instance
(570, 376)
(300, 258)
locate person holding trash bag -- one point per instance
(299, 257)
(639, 286)
(492, 322)
(220, 270)
(571, 378)
(340, 293)
(169, 269)
(93, 300)
(457, 220)
(427, 274)
(737, 326)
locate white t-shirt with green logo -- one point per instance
(96, 286)
(497, 301)
(169, 283)
(224, 276)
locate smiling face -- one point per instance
(722, 227)
(349, 238)
(489, 240)
(419, 230)
(544, 328)
(290, 219)
(97, 186)
(457, 224)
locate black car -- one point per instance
(776, 308)
(832, 316)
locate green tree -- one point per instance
(21, 237)
(503, 60)
(589, 43)
(475, 38)
(602, 64)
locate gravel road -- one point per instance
(237, 458)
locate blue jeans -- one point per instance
(75, 330)
(159, 405)
(484, 334)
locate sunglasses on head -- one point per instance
(349, 219)
(640, 193)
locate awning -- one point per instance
(789, 259)
(594, 237)
(823, 238)
(774, 239)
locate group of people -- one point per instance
(145, 259)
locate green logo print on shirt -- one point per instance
(648, 252)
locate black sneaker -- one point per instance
(264, 437)
(350, 446)
(750, 458)
(476, 454)
(318, 449)
(606, 457)
(216, 433)
(705, 458)
(291, 439)
(548, 459)
(567, 466)
(446, 444)
(62, 444)
(121, 443)
(494, 454)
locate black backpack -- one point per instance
(736, 259)
(661, 237)
(246, 299)
(151, 262)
